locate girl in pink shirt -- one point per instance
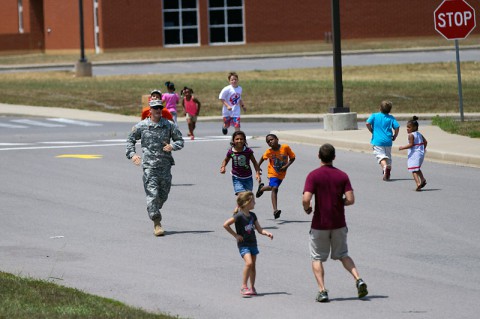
(191, 107)
(170, 99)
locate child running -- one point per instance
(155, 95)
(384, 128)
(191, 107)
(170, 99)
(241, 156)
(280, 157)
(231, 97)
(417, 145)
(245, 224)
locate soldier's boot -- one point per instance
(157, 228)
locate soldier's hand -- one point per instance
(136, 159)
(167, 147)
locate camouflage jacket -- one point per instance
(153, 138)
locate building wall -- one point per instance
(127, 24)
(274, 21)
(8, 17)
(62, 24)
(10, 37)
(384, 19)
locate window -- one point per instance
(20, 17)
(226, 21)
(180, 22)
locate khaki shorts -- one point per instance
(193, 118)
(383, 152)
(321, 241)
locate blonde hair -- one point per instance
(243, 199)
(386, 107)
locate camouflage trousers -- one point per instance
(157, 182)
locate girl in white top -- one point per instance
(231, 97)
(416, 146)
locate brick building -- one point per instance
(53, 25)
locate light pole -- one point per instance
(337, 60)
(82, 67)
(339, 117)
(82, 42)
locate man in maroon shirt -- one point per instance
(333, 191)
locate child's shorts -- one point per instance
(322, 240)
(231, 121)
(248, 250)
(242, 184)
(274, 182)
(193, 118)
(383, 152)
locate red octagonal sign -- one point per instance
(454, 19)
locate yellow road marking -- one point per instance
(82, 156)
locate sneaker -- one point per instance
(259, 191)
(245, 292)
(362, 288)
(322, 296)
(253, 291)
(224, 130)
(157, 228)
(387, 173)
(277, 213)
(192, 137)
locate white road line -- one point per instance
(73, 122)
(123, 140)
(56, 147)
(115, 142)
(12, 125)
(36, 123)
(64, 142)
(13, 144)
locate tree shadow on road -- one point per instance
(261, 294)
(367, 298)
(173, 232)
(282, 221)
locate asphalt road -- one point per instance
(81, 222)
(272, 63)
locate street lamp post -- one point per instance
(82, 42)
(339, 117)
(337, 60)
(82, 67)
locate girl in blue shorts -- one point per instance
(241, 156)
(245, 224)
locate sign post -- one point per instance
(455, 19)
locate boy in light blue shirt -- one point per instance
(384, 128)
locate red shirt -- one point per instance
(165, 113)
(328, 185)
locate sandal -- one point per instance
(277, 213)
(259, 191)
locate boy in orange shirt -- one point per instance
(280, 157)
(155, 95)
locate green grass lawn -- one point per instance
(413, 88)
(31, 298)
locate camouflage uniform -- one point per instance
(156, 163)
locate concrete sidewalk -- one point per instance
(442, 146)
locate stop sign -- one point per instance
(454, 19)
